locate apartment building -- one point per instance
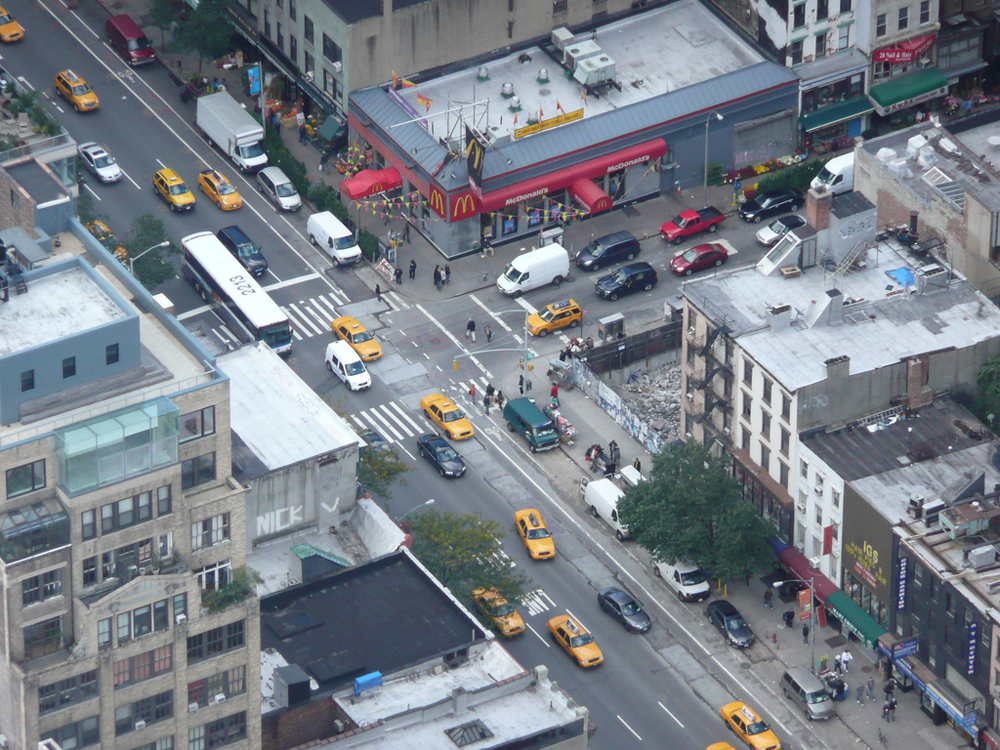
(122, 534)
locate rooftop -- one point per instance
(275, 414)
(885, 318)
(38, 181)
(409, 619)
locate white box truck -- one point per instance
(230, 127)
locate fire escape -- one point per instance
(715, 355)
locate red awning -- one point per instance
(591, 196)
(369, 181)
(905, 52)
(564, 178)
(798, 566)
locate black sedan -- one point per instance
(623, 607)
(442, 456)
(770, 203)
(730, 623)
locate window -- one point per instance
(88, 525)
(292, 11)
(293, 49)
(786, 439)
(280, 38)
(309, 62)
(745, 438)
(819, 514)
(150, 710)
(124, 627)
(765, 425)
(111, 354)
(925, 11)
(197, 424)
(69, 367)
(880, 25)
(40, 588)
(786, 407)
(215, 641)
(104, 634)
(796, 52)
(90, 571)
(765, 458)
(844, 37)
(161, 615)
(747, 404)
(330, 50)
(198, 470)
(835, 530)
(904, 18)
(218, 733)
(560, 6)
(25, 479)
(142, 621)
(67, 692)
(835, 494)
(799, 16)
(180, 606)
(267, 24)
(144, 666)
(214, 577)
(125, 561)
(783, 471)
(127, 512)
(164, 502)
(209, 532)
(43, 638)
(307, 29)
(767, 391)
(27, 380)
(822, 9)
(164, 743)
(747, 372)
(76, 735)
(820, 45)
(229, 683)
(845, 6)
(803, 469)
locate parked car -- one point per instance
(770, 203)
(724, 616)
(277, 188)
(99, 162)
(635, 277)
(698, 258)
(624, 607)
(778, 228)
(440, 455)
(606, 250)
(684, 577)
(691, 222)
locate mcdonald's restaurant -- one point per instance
(513, 148)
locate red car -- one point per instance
(699, 257)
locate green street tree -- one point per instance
(378, 469)
(153, 268)
(465, 552)
(691, 508)
(163, 14)
(207, 31)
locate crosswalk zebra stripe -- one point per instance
(296, 334)
(296, 323)
(324, 324)
(372, 414)
(404, 415)
(305, 319)
(393, 417)
(327, 307)
(534, 604)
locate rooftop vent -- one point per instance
(779, 317)
(562, 38)
(913, 146)
(982, 557)
(291, 686)
(594, 70)
(579, 51)
(507, 90)
(885, 155)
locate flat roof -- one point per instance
(278, 416)
(408, 619)
(56, 306)
(882, 322)
(37, 181)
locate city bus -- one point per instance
(220, 280)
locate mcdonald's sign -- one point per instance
(437, 203)
(463, 206)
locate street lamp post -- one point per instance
(812, 618)
(708, 119)
(131, 261)
(429, 502)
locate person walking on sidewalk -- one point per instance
(323, 160)
(399, 276)
(554, 396)
(871, 687)
(437, 277)
(768, 596)
(892, 709)
(520, 384)
(486, 402)
(406, 233)
(500, 400)
(885, 708)
(889, 687)
(845, 660)
(860, 692)
(787, 617)
(837, 666)
(413, 267)
(447, 274)
(490, 390)
(378, 293)
(470, 330)
(805, 633)
(302, 133)
(472, 392)
(488, 330)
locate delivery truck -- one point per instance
(230, 127)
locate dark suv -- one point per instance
(771, 203)
(635, 277)
(606, 250)
(243, 249)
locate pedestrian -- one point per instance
(845, 659)
(892, 709)
(520, 384)
(378, 292)
(500, 400)
(768, 595)
(837, 666)
(554, 395)
(302, 133)
(406, 237)
(885, 709)
(437, 269)
(788, 617)
(805, 633)
(472, 391)
(889, 687)
(399, 276)
(413, 267)
(470, 330)
(323, 160)
(447, 274)
(637, 465)
(486, 403)
(490, 390)
(563, 354)
(861, 695)
(871, 687)
(488, 330)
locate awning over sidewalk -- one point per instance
(831, 114)
(904, 91)
(798, 566)
(591, 196)
(905, 52)
(855, 619)
(370, 181)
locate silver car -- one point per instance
(278, 189)
(98, 161)
(779, 228)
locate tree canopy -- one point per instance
(206, 31)
(378, 469)
(151, 268)
(987, 399)
(691, 508)
(465, 552)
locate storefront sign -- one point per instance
(901, 583)
(463, 206)
(906, 103)
(828, 539)
(906, 52)
(553, 122)
(906, 647)
(972, 644)
(437, 203)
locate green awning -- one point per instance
(906, 90)
(831, 114)
(855, 619)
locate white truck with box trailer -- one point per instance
(234, 130)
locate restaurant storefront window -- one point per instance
(840, 91)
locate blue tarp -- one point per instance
(902, 276)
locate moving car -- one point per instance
(76, 91)
(565, 314)
(724, 616)
(502, 614)
(173, 190)
(770, 203)
(699, 258)
(439, 409)
(749, 727)
(219, 190)
(779, 228)
(345, 363)
(441, 456)
(359, 337)
(623, 607)
(611, 248)
(244, 249)
(635, 277)
(535, 534)
(684, 577)
(575, 640)
(10, 30)
(99, 162)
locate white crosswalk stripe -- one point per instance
(312, 317)
(536, 602)
(391, 421)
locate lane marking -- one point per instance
(670, 714)
(625, 723)
(545, 641)
(290, 282)
(471, 357)
(91, 191)
(305, 319)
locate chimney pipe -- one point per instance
(913, 221)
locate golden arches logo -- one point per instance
(437, 203)
(464, 206)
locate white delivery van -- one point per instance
(328, 232)
(534, 269)
(837, 175)
(345, 363)
(685, 578)
(601, 497)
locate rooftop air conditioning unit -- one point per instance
(192, 707)
(180, 619)
(141, 724)
(574, 53)
(594, 71)
(219, 698)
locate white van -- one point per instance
(837, 175)
(685, 578)
(534, 269)
(345, 363)
(601, 497)
(328, 232)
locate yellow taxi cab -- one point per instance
(439, 409)
(107, 238)
(219, 190)
(173, 190)
(535, 534)
(565, 314)
(76, 91)
(720, 746)
(359, 337)
(749, 727)
(575, 640)
(10, 30)
(501, 612)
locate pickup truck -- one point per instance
(691, 222)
